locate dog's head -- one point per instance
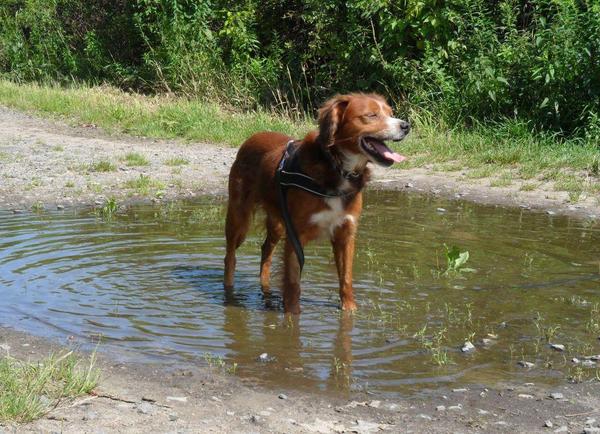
(359, 124)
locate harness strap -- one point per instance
(289, 174)
(285, 212)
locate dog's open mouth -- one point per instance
(379, 152)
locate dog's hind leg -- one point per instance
(291, 280)
(237, 223)
(274, 233)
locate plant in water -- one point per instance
(217, 362)
(108, 210)
(456, 260)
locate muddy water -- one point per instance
(149, 281)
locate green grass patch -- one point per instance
(177, 161)
(144, 184)
(28, 390)
(148, 116)
(102, 166)
(528, 186)
(135, 159)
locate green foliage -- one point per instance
(456, 260)
(463, 61)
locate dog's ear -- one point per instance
(330, 117)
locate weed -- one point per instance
(38, 207)
(102, 166)
(528, 186)
(69, 184)
(108, 210)
(593, 323)
(143, 184)
(58, 148)
(219, 363)
(135, 159)
(176, 161)
(31, 389)
(456, 260)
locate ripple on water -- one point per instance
(151, 281)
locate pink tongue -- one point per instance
(394, 157)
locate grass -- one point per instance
(135, 159)
(144, 184)
(484, 149)
(102, 166)
(28, 390)
(177, 161)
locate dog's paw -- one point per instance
(349, 305)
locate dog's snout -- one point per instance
(405, 126)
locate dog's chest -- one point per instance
(332, 217)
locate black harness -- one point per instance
(289, 174)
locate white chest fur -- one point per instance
(329, 219)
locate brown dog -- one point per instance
(351, 132)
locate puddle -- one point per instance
(150, 282)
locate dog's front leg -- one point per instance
(343, 251)
(291, 280)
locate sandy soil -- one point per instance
(46, 162)
(141, 398)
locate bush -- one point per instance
(465, 61)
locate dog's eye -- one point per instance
(371, 115)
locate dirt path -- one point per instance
(51, 163)
(141, 398)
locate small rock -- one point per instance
(557, 347)
(525, 364)
(590, 421)
(59, 207)
(265, 358)
(425, 416)
(145, 408)
(177, 398)
(588, 363)
(18, 211)
(230, 413)
(591, 430)
(455, 407)
(409, 185)
(556, 395)
(501, 423)
(575, 360)
(550, 212)
(483, 412)
(264, 413)
(5, 347)
(526, 396)
(562, 429)
(375, 404)
(548, 424)
(173, 417)
(486, 341)
(492, 335)
(214, 398)
(440, 408)
(282, 396)
(254, 419)
(441, 209)
(461, 390)
(596, 357)
(468, 346)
